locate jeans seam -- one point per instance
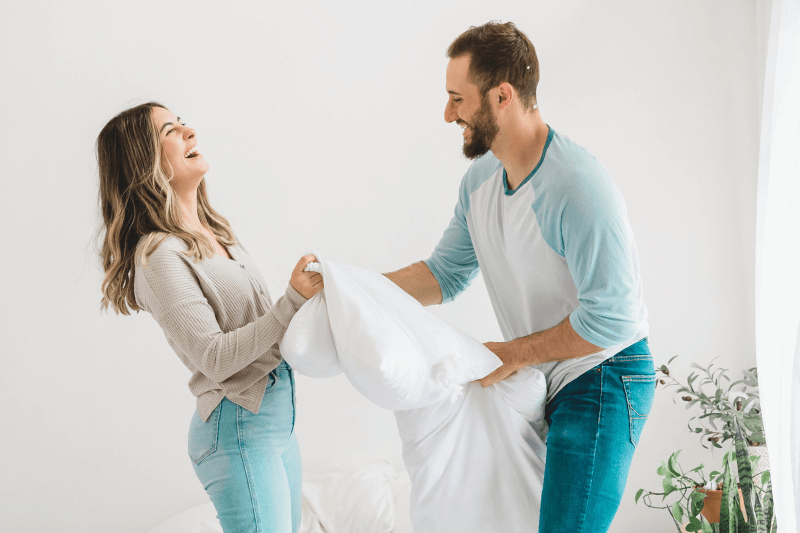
(629, 358)
(215, 415)
(594, 455)
(294, 407)
(631, 408)
(247, 471)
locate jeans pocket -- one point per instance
(203, 436)
(639, 393)
(272, 379)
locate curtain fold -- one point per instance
(778, 260)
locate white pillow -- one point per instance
(339, 499)
(401, 487)
(199, 519)
(307, 344)
(352, 498)
(393, 351)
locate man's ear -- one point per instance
(506, 95)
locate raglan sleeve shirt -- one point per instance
(582, 217)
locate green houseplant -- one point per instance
(738, 415)
(724, 402)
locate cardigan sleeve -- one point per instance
(170, 289)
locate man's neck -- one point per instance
(520, 147)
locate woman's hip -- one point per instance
(231, 426)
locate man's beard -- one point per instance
(484, 129)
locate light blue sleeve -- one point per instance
(589, 227)
(453, 262)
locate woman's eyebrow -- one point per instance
(168, 124)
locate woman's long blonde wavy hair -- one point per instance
(137, 199)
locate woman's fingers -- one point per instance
(306, 259)
(306, 283)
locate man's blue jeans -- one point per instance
(250, 464)
(595, 423)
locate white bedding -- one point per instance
(368, 498)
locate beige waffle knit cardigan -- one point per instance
(218, 317)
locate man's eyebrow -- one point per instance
(168, 124)
(454, 93)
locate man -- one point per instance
(543, 221)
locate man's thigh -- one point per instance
(595, 423)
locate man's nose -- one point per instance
(450, 113)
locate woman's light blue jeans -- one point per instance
(595, 424)
(250, 464)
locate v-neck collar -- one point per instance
(541, 160)
(231, 252)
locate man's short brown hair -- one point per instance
(499, 53)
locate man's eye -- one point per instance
(456, 100)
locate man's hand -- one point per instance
(511, 358)
(558, 343)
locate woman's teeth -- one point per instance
(191, 152)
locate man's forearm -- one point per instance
(418, 281)
(559, 343)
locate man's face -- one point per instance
(468, 109)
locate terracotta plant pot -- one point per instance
(712, 502)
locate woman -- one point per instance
(167, 251)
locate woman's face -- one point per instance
(180, 150)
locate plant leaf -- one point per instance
(745, 474)
(694, 524)
(672, 464)
(677, 512)
(761, 524)
(696, 503)
(669, 488)
(638, 495)
(730, 497)
(673, 358)
(769, 505)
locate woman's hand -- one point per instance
(306, 283)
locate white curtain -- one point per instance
(778, 260)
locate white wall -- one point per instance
(322, 122)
